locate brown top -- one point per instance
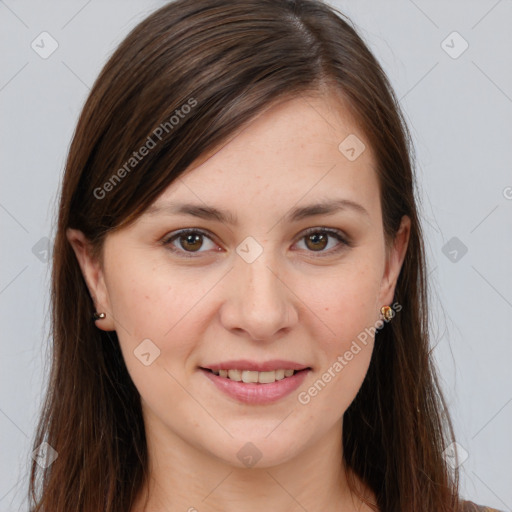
(469, 506)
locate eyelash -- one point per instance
(195, 231)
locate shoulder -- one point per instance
(469, 506)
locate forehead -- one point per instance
(296, 151)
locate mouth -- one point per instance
(256, 383)
(255, 377)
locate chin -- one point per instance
(257, 451)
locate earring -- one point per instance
(98, 316)
(387, 313)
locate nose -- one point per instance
(260, 301)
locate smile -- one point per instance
(249, 376)
(251, 386)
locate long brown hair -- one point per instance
(228, 62)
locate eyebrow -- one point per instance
(326, 207)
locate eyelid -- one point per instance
(168, 239)
(336, 233)
(343, 239)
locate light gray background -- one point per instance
(460, 113)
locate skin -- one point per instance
(290, 303)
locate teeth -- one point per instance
(235, 375)
(249, 376)
(266, 377)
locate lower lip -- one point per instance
(255, 393)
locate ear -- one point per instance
(94, 277)
(395, 257)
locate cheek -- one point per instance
(339, 377)
(149, 298)
(346, 305)
(345, 301)
(151, 307)
(152, 301)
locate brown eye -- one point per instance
(191, 242)
(187, 242)
(317, 241)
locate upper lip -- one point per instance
(266, 366)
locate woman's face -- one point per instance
(268, 286)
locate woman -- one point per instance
(239, 292)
